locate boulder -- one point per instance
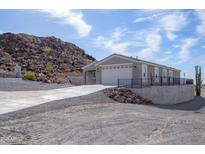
(124, 95)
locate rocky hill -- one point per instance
(50, 56)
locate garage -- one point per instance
(111, 73)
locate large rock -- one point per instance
(124, 95)
(46, 55)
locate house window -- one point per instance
(114, 67)
(144, 74)
(122, 66)
(110, 67)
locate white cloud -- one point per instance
(71, 18)
(185, 47)
(119, 33)
(153, 41)
(148, 15)
(172, 23)
(147, 18)
(114, 43)
(169, 21)
(171, 36)
(138, 38)
(146, 54)
(201, 27)
(168, 52)
(163, 59)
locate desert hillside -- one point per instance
(50, 56)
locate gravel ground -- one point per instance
(95, 119)
(16, 84)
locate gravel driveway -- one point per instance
(95, 119)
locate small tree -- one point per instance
(198, 80)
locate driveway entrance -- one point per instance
(16, 100)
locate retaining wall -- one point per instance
(7, 75)
(75, 80)
(167, 94)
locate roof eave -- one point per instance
(135, 60)
(86, 66)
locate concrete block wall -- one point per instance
(167, 95)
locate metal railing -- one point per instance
(153, 81)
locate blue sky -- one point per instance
(172, 37)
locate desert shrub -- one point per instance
(42, 77)
(47, 49)
(29, 75)
(49, 67)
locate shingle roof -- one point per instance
(132, 59)
(153, 63)
(89, 65)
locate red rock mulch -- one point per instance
(124, 95)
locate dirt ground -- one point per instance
(95, 119)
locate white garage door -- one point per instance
(111, 74)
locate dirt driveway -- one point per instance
(95, 119)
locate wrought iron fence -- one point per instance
(153, 81)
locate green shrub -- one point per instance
(49, 67)
(29, 75)
(47, 50)
(42, 77)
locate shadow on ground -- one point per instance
(195, 105)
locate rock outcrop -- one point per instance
(51, 56)
(124, 95)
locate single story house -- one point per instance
(108, 70)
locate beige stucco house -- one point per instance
(108, 70)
